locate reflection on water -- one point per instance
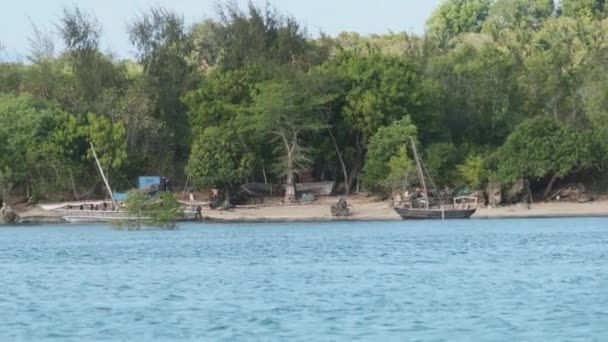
(536, 280)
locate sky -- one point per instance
(329, 16)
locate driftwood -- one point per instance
(572, 193)
(340, 209)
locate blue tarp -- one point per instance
(149, 183)
(120, 196)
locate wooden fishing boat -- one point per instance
(264, 190)
(459, 211)
(100, 211)
(316, 188)
(81, 212)
(463, 207)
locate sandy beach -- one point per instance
(363, 209)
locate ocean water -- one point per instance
(476, 280)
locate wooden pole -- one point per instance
(105, 180)
(420, 174)
(185, 188)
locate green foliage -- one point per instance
(221, 97)
(164, 47)
(482, 99)
(454, 17)
(235, 95)
(162, 210)
(385, 145)
(219, 159)
(474, 171)
(284, 111)
(25, 124)
(584, 8)
(440, 160)
(401, 168)
(253, 36)
(379, 89)
(542, 147)
(109, 140)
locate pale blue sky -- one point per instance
(330, 16)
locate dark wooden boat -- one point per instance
(434, 214)
(463, 207)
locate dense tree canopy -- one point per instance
(493, 91)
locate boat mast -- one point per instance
(420, 174)
(105, 180)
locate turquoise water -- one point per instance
(478, 280)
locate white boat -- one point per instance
(100, 211)
(72, 213)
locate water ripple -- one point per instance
(534, 280)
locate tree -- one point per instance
(542, 147)
(219, 159)
(454, 17)
(553, 69)
(92, 71)
(474, 171)
(513, 23)
(162, 210)
(385, 146)
(401, 168)
(256, 36)
(25, 124)
(439, 160)
(584, 8)
(373, 91)
(221, 97)
(164, 47)
(481, 100)
(286, 110)
(109, 140)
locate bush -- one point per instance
(389, 142)
(474, 171)
(162, 210)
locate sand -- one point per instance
(363, 208)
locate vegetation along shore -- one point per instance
(506, 100)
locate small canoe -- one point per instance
(434, 214)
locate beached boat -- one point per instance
(316, 188)
(81, 212)
(263, 189)
(462, 208)
(101, 211)
(458, 211)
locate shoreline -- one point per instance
(363, 209)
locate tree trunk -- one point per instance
(346, 180)
(290, 188)
(354, 172)
(6, 190)
(27, 188)
(227, 198)
(550, 187)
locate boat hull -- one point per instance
(95, 216)
(434, 214)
